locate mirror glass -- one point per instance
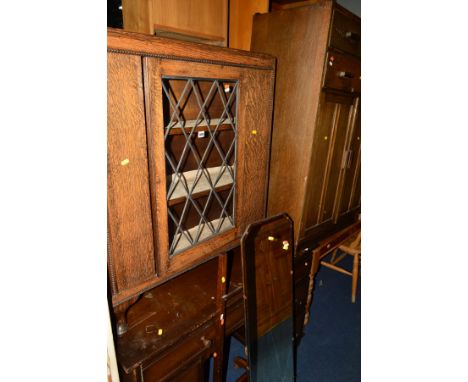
(267, 265)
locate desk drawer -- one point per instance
(183, 359)
(329, 244)
(345, 33)
(342, 72)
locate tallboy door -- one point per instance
(207, 151)
(332, 185)
(326, 168)
(350, 195)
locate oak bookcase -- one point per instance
(188, 152)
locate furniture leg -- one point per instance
(355, 277)
(226, 347)
(242, 363)
(221, 309)
(121, 314)
(336, 261)
(313, 271)
(309, 299)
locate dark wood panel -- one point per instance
(131, 251)
(318, 232)
(267, 263)
(335, 169)
(163, 315)
(355, 200)
(185, 361)
(302, 266)
(193, 373)
(343, 72)
(346, 31)
(352, 164)
(319, 161)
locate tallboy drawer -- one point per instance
(345, 33)
(342, 72)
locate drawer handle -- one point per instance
(353, 37)
(345, 75)
(206, 342)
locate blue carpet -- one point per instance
(330, 350)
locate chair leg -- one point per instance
(355, 277)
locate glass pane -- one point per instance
(274, 354)
(200, 135)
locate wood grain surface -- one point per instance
(129, 210)
(241, 14)
(298, 38)
(141, 44)
(136, 117)
(353, 163)
(137, 16)
(318, 82)
(197, 17)
(255, 120)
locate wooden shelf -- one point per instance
(198, 195)
(176, 128)
(205, 234)
(202, 185)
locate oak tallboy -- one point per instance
(315, 158)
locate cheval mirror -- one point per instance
(267, 266)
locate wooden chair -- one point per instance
(351, 247)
